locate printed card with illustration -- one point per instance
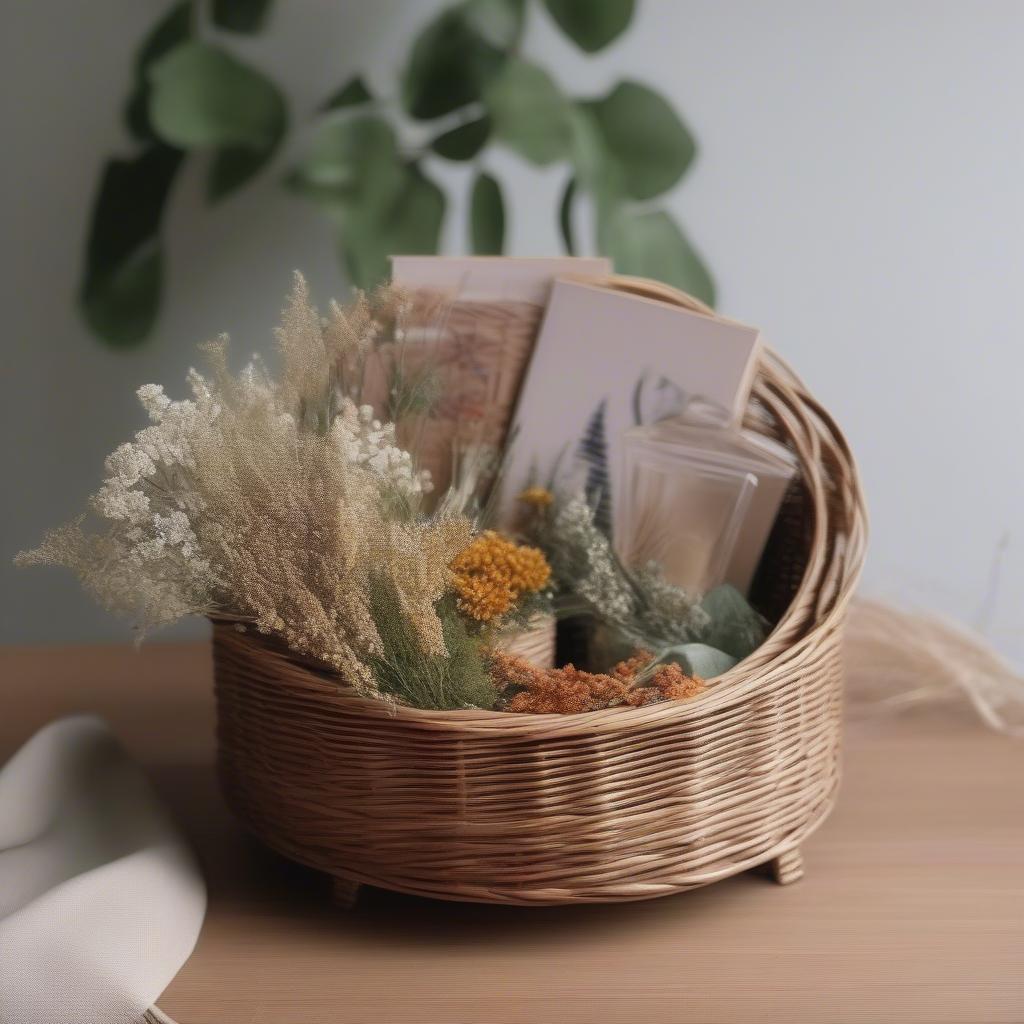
(495, 278)
(605, 362)
(490, 310)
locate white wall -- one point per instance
(859, 194)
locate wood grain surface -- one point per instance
(911, 909)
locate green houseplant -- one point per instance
(466, 86)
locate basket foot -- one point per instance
(787, 868)
(344, 893)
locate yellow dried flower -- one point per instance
(493, 572)
(537, 497)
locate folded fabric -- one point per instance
(101, 900)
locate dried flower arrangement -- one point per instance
(286, 503)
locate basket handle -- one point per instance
(648, 289)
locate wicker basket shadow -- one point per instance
(621, 804)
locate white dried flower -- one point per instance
(582, 553)
(272, 499)
(668, 614)
(363, 440)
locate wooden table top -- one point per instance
(912, 907)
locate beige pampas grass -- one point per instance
(896, 658)
(281, 502)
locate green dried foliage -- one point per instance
(441, 683)
(633, 607)
(412, 391)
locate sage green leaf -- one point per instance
(121, 307)
(130, 205)
(596, 171)
(448, 65)
(650, 244)
(733, 625)
(354, 162)
(486, 217)
(241, 15)
(203, 97)
(120, 289)
(529, 112)
(136, 113)
(565, 217)
(353, 93)
(699, 660)
(498, 22)
(643, 137)
(463, 142)
(411, 225)
(232, 167)
(170, 31)
(591, 24)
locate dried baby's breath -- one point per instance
(643, 608)
(279, 501)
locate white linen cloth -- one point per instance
(101, 901)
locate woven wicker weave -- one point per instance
(621, 804)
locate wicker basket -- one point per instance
(621, 804)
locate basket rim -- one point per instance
(833, 568)
(331, 689)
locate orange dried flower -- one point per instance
(628, 669)
(569, 690)
(675, 684)
(493, 572)
(538, 497)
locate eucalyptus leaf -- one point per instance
(120, 291)
(122, 306)
(699, 659)
(241, 15)
(354, 162)
(189, 93)
(464, 141)
(734, 626)
(171, 30)
(174, 28)
(448, 66)
(643, 137)
(487, 217)
(411, 225)
(565, 217)
(498, 22)
(203, 97)
(353, 93)
(130, 206)
(233, 167)
(595, 171)
(650, 244)
(136, 114)
(591, 24)
(529, 112)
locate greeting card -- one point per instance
(608, 361)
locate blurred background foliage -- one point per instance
(466, 85)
